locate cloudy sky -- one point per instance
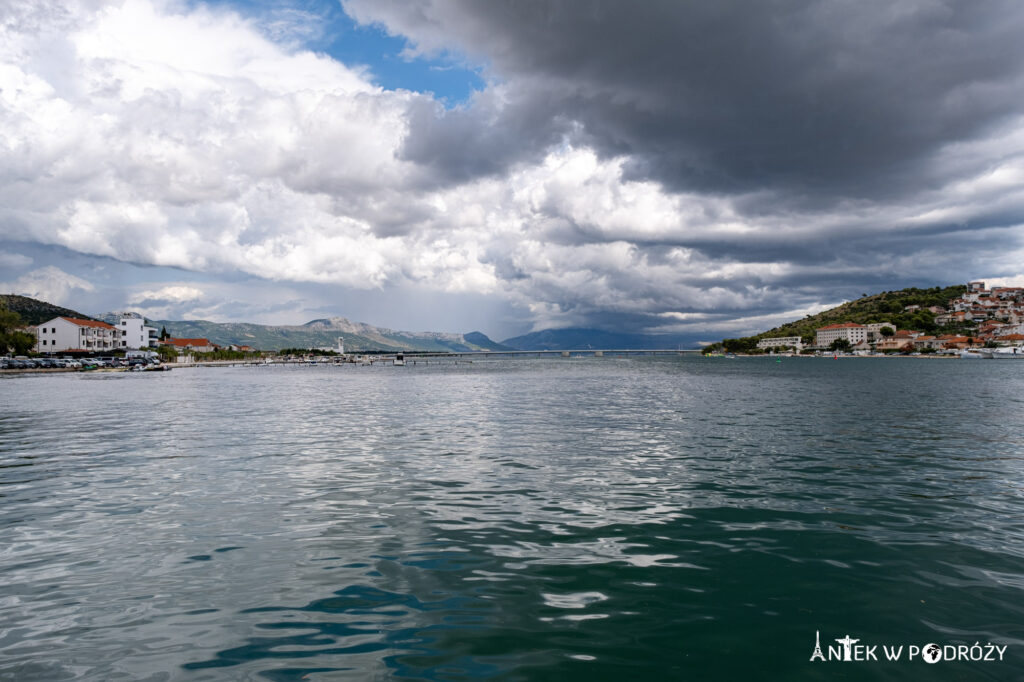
(700, 168)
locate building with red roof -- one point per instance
(74, 334)
(197, 345)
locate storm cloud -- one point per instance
(827, 100)
(675, 166)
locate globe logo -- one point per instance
(931, 653)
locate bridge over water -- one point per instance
(597, 352)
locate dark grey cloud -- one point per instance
(821, 99)
(855, 145)
(792, 154)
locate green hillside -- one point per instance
(887, 306)
(34, 312)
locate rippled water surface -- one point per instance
(541, 519)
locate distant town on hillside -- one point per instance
(910, 320)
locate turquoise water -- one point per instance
(541, 519)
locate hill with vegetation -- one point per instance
(32, 311)
(888, 306)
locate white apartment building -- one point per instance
(69, 333)
(133, 333)
(854, 333)
(780, 341)
(874, 330)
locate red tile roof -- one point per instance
(188, 342)
(844, 325)
(87, 323)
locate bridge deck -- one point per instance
(578, 351)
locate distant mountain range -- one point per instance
(582, 339)
(323, 333)
(359, 336)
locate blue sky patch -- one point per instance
(323, 26)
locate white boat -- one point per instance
(976, 353)
(400, 360)
(1008, 353)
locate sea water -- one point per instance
(616, 518)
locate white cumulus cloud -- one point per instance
(173, 293)
(165, 133)
(49, 284)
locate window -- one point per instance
(44, 342)
(53, 331)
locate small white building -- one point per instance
(780, 342)
(133, 333)
(70, 333)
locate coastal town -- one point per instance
(66, 342)
(994, 318)
(128, 333)
(978, 322)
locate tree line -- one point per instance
(14, 339)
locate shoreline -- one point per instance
(220, 364)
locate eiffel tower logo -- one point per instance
(817, 647)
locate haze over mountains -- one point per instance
(360, 336)
(325, 332)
